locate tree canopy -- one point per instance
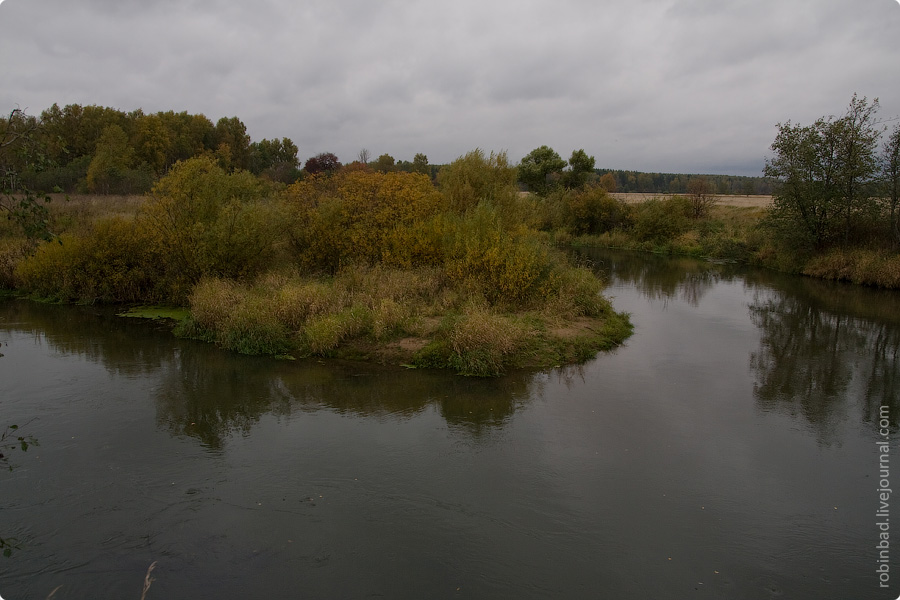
(540, 169)
(826, 176)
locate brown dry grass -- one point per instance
(726, 200)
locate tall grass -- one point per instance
(861, 266)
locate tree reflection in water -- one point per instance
(209, 394)
(659, 277)
(825, 347)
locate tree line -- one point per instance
(96, 149)
(618, 180)
(831, 180)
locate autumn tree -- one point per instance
(191, 134)
(364, 216)
(152, 143)
(540, 170)
(112, 158)
(325, 162)
(74, 130)
(232, 144)
(384, 163)
(608, 182)
(275, 159)
(475, 178)
(209, 222)
(420, 164)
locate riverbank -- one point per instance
(414, 317)
(735, 230)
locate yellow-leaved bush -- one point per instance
(114, 262)
(362, 216)
(505, 263)
(200, 221)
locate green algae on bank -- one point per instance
(157, 313)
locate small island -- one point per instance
(348, 262)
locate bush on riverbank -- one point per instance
(741, 234)
(199, 221)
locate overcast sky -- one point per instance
(693, 86)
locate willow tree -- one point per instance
(825, 176)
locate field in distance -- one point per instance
(727, 200)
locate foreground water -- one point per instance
(729, 450)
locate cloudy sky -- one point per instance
(693, 86)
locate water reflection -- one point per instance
(93, 333)
(826, 350)
(660, 277)
(825, 347)
(209, 394)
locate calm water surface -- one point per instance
(727, 451)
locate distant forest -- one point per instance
(102, 150)
(676, 183)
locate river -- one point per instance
(730, 449)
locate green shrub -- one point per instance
(114, 262)
(361, 216)
(206, 222)
(507, 265)
(475, 178)
(593, 211)
(661, 221)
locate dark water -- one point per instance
(727, 451)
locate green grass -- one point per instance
(157, 312)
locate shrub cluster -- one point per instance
(362, 216)
(200, 221)
(114, 262)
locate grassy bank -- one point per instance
(414, 317)
(740, 233)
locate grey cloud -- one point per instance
(686, 85)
